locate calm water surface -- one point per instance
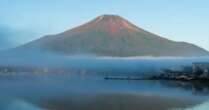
(94, 93)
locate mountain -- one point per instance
(112, 35)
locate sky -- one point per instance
(179, 20)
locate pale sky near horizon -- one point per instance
(179, 20)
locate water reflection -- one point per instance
(21, 105)
(203, 106)
(197, 88)
(90, 93)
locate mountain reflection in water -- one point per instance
(88, 93)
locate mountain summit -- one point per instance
(112, 35)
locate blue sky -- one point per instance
(180, 20)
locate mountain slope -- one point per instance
(111, 35)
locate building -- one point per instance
(201, 67)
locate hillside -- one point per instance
(112, 35)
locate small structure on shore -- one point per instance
(198, 71)
(201, 67)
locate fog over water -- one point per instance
(89, 91)
(96, 64)
(117, 65)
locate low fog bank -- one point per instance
(93, 64)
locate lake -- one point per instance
(83, 92)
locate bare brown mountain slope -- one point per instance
(111, 35)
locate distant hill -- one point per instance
(111, 35)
